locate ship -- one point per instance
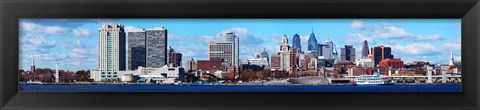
(375, 79)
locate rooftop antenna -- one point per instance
(312, 29)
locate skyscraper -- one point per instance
(381, 52)
(156, 43)
(348, 53)
(284, 54)
(365, 51)
(230, 37)
(147, 48)
(136, 49)
(312, 42)
(297, 43)
(111, 51)
(328, 50)
(221, 50)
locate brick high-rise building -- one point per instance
(379, 53)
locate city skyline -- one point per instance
(74, 41)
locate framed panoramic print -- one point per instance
(214, 54)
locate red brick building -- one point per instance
(293, 61)
(210, 65)
(275, 61)
(391, 62)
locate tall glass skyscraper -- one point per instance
(296, 42)
(312, 43)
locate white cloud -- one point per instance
(357, 38)
(131, 28)
(415, 49)
(54, 30)
(432, 37)
(27, 26)
(82, 32)
(244, 36)
(40, 29)
(386, 31)
(356, 24)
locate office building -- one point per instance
(348, 53)
(379, 53)
(111, 51)
(156, 45)
(137, 49)
(230, 37)
(221, 50)
(284, 54)
(365, 51)
(312, 42)
(297, 43)
(191, 65)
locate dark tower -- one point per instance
(365, 51)
(296, 42)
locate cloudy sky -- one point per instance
(74, 41)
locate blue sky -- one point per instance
(74, 41)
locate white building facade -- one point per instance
(111, 52)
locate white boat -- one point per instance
(375, 79)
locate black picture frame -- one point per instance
(12, 10)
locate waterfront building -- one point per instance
(417, 64)
(348, 53)
(284, 54)
(312, 42)
(379, 53)
(165, 74)
(343, 67)
(147, 48)
(259, 60)
(365, 51)
(156, 45)
(210, 66)
(221, 50)
(191, 65)
(357, 71)
(137, 50)
(364, 62)
(391, 62)
(297, 43)
(111, 51)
